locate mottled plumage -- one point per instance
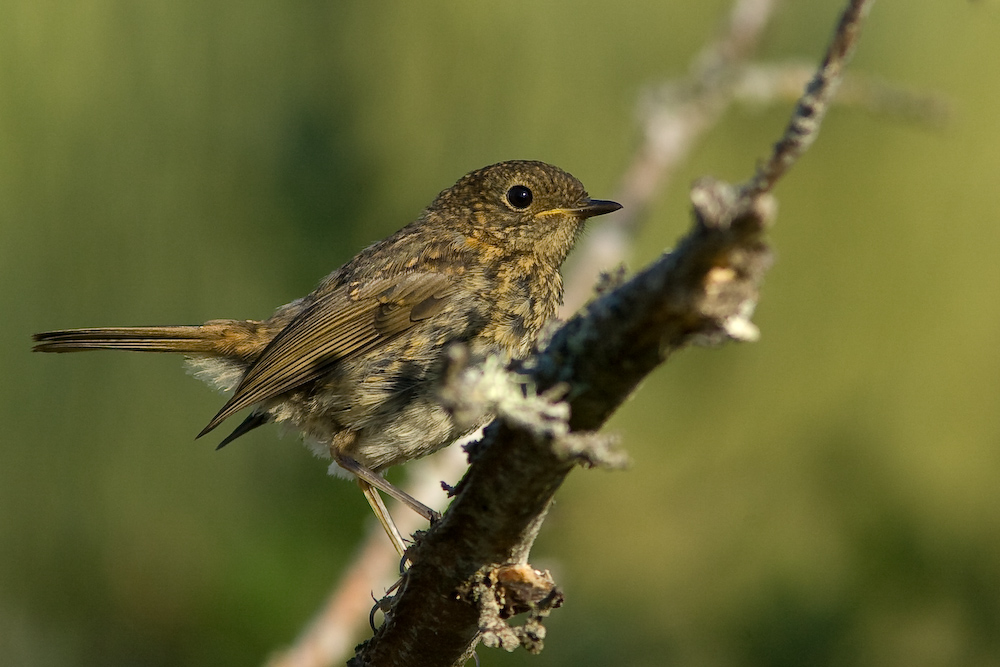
(354, 364)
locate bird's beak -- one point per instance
(587, 208)
(592, 207)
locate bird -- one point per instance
(356, 365)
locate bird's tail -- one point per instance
(230, 338)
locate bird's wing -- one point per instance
(337, 325)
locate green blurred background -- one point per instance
(827, 496)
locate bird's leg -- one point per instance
(374, 479)
(382, 514)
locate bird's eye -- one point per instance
(519, 197)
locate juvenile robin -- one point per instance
(355, 364)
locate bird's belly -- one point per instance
(418, 429)
(377, 429)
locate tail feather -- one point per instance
(230, 338)
(145, 339)
(221, 349)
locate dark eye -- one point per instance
(519, 197)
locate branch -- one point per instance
(703, 291)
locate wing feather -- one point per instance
(337, 326)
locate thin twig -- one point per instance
(335, 628)
(770, 83)
(674, 117)
(812, 107)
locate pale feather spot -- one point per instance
(222, 374)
